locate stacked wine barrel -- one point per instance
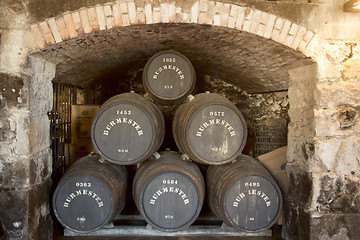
(168, 187)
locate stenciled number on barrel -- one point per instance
(123, 112)
(217, 114)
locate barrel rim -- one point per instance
(156, 96)
(230, 184)
(194, 217)
(187, 136)
(146, 154)
(106, 220)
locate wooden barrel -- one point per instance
(169, 77)
(209, 129)
(127, 129)
(244, 194)
(169, 192)
(90, 194)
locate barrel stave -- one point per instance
(128, 129)
(245, 196)
(169, 192)
(210, 129)
(90, 194)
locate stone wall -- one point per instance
(323, 142)
(26, 162)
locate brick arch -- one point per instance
(131, 12)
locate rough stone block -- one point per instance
(40, 85)
(301, 186)
(15, 47)
(296, 213)
(297, 222)
(325, 155)
(332, 226)
(19, 122)
(40, 167)
(25, 212)
(351, 70)
(336, 193)
(15, 172)
(340, 155)
(12, 92)
(39, 133)
(23, 172)
(342, 93)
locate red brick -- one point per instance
(62, 28)
(117, 14)
(85, 21)
(77, 22)
(54, 29)
(100, 17)
(93, 19)
(47, 33)
(70, 25)
(40, 40)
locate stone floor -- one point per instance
(276, 236)
(59, 235)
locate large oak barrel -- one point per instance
(90, 194)
(244, 194)
(209, 129)
(169, 192)
(169, 77)
(127, 129)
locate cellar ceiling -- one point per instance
(114, 57)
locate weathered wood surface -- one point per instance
(128, 129)
(90, 194)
